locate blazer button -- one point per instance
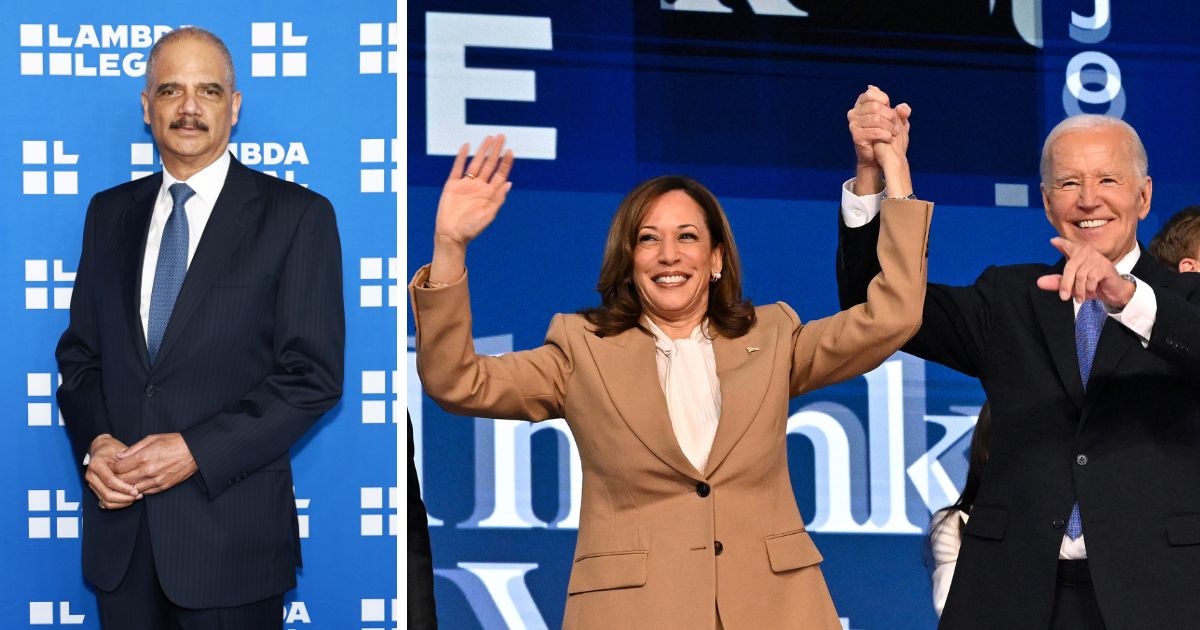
(1058, 523)
(718, 548)
(1081, 459)
(703, 489)
(150, 391)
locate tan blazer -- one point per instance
(662, 545)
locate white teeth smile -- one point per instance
(1092, 223)
(670, 279)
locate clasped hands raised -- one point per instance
(880, 134)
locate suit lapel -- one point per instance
(744, 369)
(234, 211)
(137, 224)
(1057, 319)
(627, 366)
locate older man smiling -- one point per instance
(1091, 369)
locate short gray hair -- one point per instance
(191, 32)
(1085, 122)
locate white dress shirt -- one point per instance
(207, 185)
(1138, 315)
(687, 372)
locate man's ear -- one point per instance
(1188, 264)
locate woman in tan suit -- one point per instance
(676, 391)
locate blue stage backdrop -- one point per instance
(319, 109)
(750, 97)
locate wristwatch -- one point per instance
(911, 196)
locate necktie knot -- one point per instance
(180, 193)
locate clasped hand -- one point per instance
(880, 135)
(120, 475)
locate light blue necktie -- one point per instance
(172, 267)
(1088, 324)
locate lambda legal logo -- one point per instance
(374, 175)
(371, 501)
(295, 613)
(287, 63)
(42, 614)
(376, 397)
(39, 284)
(90, 50)
(370, 38)
(301, 519)
(40, 389)
(370, 293)
(36, 157)
(375, 614)
(141, 156)
(62, 514)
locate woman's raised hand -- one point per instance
(473, 193)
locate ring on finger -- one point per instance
(101, 503)
(470, 175)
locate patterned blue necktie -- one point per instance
(1088, 324)
(172, 267)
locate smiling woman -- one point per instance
(663, 258)
(676, 391)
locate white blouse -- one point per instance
(945, 542)
(687, 372)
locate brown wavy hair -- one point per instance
(1178, 239)
(620, 305)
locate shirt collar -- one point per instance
(665, 343)
(1125, 265)
(206, 183)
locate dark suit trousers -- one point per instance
(1075, 606)
(422, 612)
(139, 603)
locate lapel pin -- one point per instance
(751, 349)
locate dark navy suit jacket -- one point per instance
(1127, 448)
(252, 357)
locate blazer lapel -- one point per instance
(234, 211)
(1057, 319)
(137, 225)
(744, 369)
(627, 366)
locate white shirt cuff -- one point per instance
(1141, 311)
(858, 211)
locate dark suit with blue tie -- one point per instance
(251, 358)
(1127, 447)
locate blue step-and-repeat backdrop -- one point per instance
(319, 88)
(750, 97)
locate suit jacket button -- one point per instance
(718, 548)
(150, 391)
(703, 489)
(1081, 459)
(1058, 523)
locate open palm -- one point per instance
(474, 192)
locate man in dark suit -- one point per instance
(1088, 511)
(206, 336)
